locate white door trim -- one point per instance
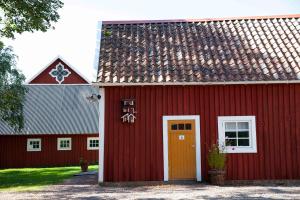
(166, 148)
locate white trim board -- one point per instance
(51, 62)
(57, 84)
(98, 46)
(197, 83)
(166, 148)
(101, 135)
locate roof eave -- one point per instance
(201, 20)
(196, 83)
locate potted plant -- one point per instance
(217, 163)
(84, 165)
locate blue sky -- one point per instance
(74, 37)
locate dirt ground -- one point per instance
(85, 187)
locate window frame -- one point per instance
(89, 139)
(252, 148)
(30, 148)
(59, 148)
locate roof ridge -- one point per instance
(202, 20)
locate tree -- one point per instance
(18, 16)
(12, 91)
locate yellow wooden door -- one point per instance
(182, 149)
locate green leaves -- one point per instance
(12, 90)
(216, 159)
(18, 16)
(27, 15)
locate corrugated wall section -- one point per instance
(135, 151)
(13, 151)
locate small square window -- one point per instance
(243, 142)
(188, 126)
(230, 142)
(243, 125)
(34, 144)
(243, 134)
(230, 126)
(64, 144)
(237, 134)
(230, 134)
(180, 126)
(174, 127)
(93, 143)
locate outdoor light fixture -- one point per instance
(94, 97)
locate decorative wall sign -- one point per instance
(181, 137)
(128, 110)
(59, 73)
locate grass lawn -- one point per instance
(35, 178)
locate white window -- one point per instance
(93, 143)
(64, 143)
(237, 134)
(34, 144)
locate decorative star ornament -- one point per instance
(59, 73)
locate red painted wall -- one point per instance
(13, 151)
(46, 78)
(134, 152)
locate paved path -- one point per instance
(85, 187)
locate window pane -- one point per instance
(174, 127)
(230, 125)
(181, 126)
(243, 134)
(64, 143)
(188, 126)
(243, 142)
(230, 142)
(94, 143)
(230, 134)
(243, 125)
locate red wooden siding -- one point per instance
(134, 152)
(46, 78)
(13, 151)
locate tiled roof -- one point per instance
(57, 109)
(193, 51)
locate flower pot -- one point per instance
(216, 177)
(84, 167)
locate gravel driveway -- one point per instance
(85, 187)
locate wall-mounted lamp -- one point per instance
(93, 97)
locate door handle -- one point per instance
(193, 146)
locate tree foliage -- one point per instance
(18, 16)
(12, 91)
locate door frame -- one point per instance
(166, 144)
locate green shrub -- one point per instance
(216, 159)
(107, 33)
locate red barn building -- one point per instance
(61, 124)
(172, 88)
